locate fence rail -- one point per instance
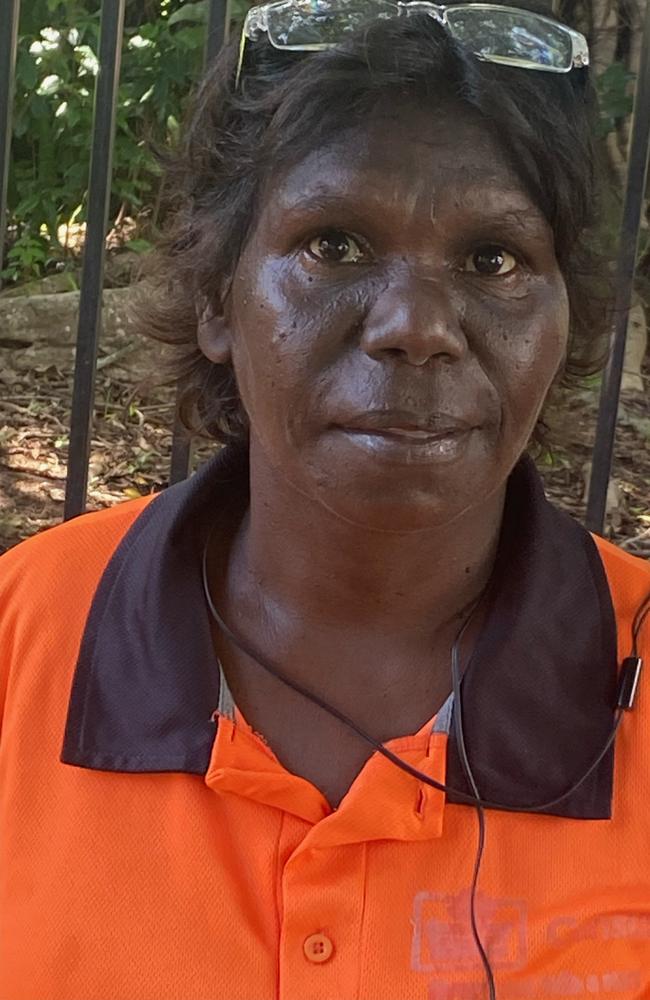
(9, 12)
(112, 23)
(92, 274)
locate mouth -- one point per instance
(409, 433)
(402, 423)
(402, 437)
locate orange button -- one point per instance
(318, 948)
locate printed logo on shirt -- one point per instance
(561, 986)
(601, 927)
(442, 933)
(443, 943)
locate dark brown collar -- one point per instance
(538, 693)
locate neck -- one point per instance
(305, 564)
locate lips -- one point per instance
(407, 425)
(412, 433)
(403, 438)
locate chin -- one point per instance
(388, 487)
(401, 503)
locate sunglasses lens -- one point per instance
(319, 23)
(517, 37)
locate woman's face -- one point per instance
(396, 320)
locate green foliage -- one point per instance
(27, 256)
(56, 68)
(615, 96)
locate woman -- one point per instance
(375, 270)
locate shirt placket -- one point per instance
(324, 880)
(322, 855)
(322, 902)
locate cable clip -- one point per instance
(628, 682)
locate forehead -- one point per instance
(410, 158)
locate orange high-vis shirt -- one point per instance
(152, 847)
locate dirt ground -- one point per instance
(132, 439)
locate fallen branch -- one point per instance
(28, 472)
(641, 541)
(123, 352)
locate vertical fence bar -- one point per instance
(99, 189)
(9, 13)
(218, 24)
(217, 33)
(627, 254)
(181, 458)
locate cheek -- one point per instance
(289, 335)
(544, 343)
(521, 345)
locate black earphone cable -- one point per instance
(639, 618)
(460, 796)
(474, 799)
(480, 812)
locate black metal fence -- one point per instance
(112, 22)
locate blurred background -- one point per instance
(164, 46)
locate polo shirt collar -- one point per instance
(538, 693)
(382, 802)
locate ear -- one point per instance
(213, 332)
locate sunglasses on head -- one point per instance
(493, 33)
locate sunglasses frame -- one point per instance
(256, 23)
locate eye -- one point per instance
(336, 247)
(491, 261)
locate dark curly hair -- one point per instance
(289, 103)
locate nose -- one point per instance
(413, 320)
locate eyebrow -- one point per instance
(516, 209)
